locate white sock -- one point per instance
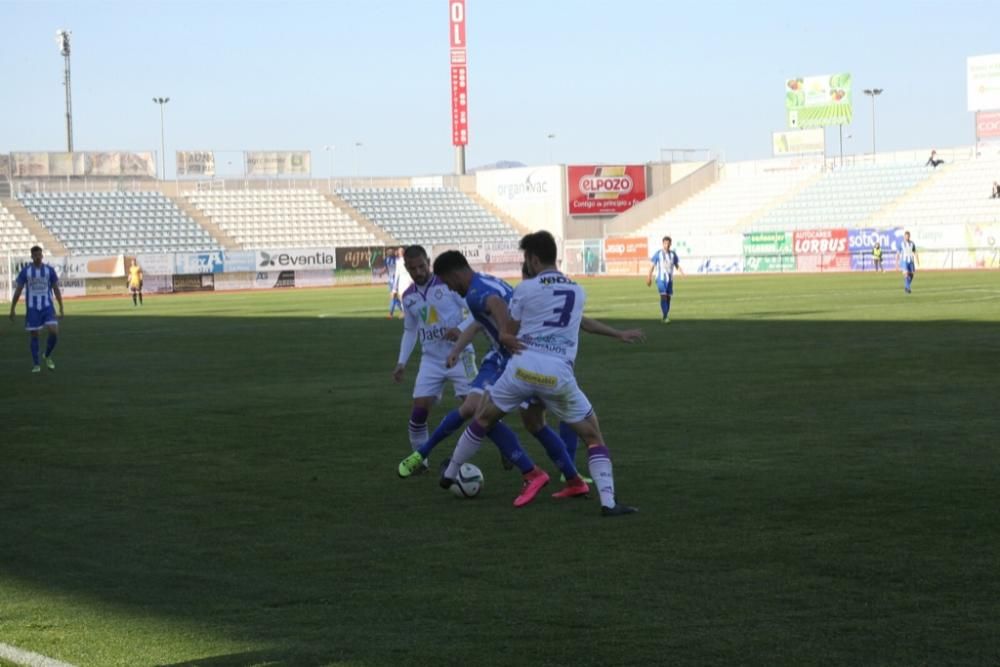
(418, 434)
(466, 448)
(599, 464)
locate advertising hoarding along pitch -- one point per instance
(818, 101)
(983, 82)
(822, 250)
(768, 251)
(604, 189)
(799, 141)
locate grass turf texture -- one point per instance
(210, 480)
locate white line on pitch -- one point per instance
(27, 658)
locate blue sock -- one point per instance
(664, 306)
(906, 283)
(508, 444)
(556, 450)
(34, 349)
(569, 437)
(448, 425)
(50, 344)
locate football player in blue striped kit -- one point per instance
(663, 262)
(39, 283)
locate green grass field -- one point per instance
(210, 480)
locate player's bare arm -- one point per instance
(649, 277)
(57, 293)
(508, 336)
(13, 301)
(461, 343)
(601, 329)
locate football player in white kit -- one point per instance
(434, 316)
(543, 331)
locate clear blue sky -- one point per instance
(614, 81)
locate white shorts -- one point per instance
(433, 375)
(529, 375)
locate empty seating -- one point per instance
(427, 215)
(845, 197)
(723, 206)
(281, 219)
(89, 223)
(959, 193)
(14, 237)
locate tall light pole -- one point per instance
(329, 179)
(551, 137)
(62, 39)
(873, 93)
(357, 150)
(163, 144)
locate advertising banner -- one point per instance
(983, 82)
(26, 165)
(102, 164)
(861, 242)
(200, 262)
(66, 164)
(193, 283)
(626, 256)
(818, 101)
(358, 265)
(718, 253)
(987, 125)
(90, 266)
(459, 73)
(138, 164)
(238, 280)
(274, 279)
(604, 189)
(277, 163)
(315, 278)
(531, 195)
(195, 163)
(277, 260)
(159, 264)
(821, 250)
(765, 252)
(799, 141)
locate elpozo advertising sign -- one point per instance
(604, 189)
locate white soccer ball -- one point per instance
(469, 482)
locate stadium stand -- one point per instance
(14, 236)
(959, 193)
(728, 203)
(427, 215)
(280, 219)
(846, 197)
(116, 222)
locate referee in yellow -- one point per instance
(135, 282)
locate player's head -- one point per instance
(36, 255)
(417, 265)
(135, 262)
(452, 267)
(399, 251)
(906, 235)
(667, 242)
(539, 253)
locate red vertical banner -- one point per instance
(459, 73)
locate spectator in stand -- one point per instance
(933, 160)
(996, 191)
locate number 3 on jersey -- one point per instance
(565, 311)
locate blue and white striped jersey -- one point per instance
(665, 261)
(480, 289)
(37, 282)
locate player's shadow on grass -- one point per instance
(238, 475)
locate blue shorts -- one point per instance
(490, 370)
(665, 286)
(908, 267)
(39, 319)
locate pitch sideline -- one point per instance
(27, 658)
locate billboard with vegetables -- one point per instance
(818, 101)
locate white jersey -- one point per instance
(402, 281)
(550, 309)
(430, 311)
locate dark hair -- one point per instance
(667, 238)
(449, 262)
(414, 251)
(541, 245)
(36, 247)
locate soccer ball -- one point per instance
(469, 482)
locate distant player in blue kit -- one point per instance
(663, 263)
(907, 256)
(39, 283)
(393, 263)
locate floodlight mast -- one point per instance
(63, 41)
